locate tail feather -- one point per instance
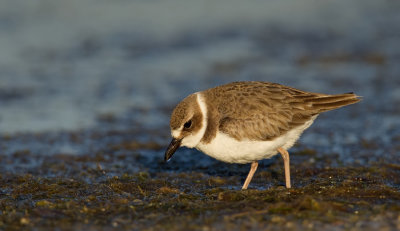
(330, 102)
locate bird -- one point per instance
(248, 121)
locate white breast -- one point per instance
(228, 149)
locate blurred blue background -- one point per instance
(65, 64)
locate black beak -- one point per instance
(173, 146)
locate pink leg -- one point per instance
(253, 169)
(285, 156)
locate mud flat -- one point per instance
(125, 185)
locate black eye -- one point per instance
(188, 124)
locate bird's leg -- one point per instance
(285, 156)
(253, 169)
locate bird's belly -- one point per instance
(228, 149)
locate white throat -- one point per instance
(194, 139)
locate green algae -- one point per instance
(192, 201)
(127, 186)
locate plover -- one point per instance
(244, 122)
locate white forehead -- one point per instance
(176, 133)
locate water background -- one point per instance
(69, 66)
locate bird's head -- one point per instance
(187, 127)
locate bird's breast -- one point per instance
(227, 149)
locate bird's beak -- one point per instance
(173, 146)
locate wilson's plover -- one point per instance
(244, 122)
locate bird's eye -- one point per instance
(188, 124)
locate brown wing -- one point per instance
(263, 111)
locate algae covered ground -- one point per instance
(125, 185)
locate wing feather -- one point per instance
(264, 111)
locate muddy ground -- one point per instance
(123, 184)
